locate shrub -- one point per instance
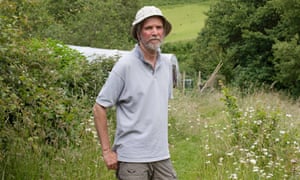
(47, 91)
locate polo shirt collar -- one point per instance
(138, 52)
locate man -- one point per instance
(139, 85)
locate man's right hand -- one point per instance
(110, 159)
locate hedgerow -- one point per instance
(47, 91)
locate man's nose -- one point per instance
(154, 31)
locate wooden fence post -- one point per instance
(199, 81)
(183, 82)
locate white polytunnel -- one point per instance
(93, 53)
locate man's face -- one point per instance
(152, 33)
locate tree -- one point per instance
(111, 25)
(104, 24)
(243, 34)
(287, 65)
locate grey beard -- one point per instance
(153, 47)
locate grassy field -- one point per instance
(187, 20)
(202, 142)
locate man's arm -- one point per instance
(100, 118)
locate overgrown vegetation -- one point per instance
(93, 23)
(169, 2)
(261, 140)
(47, 90)
(225, 136)
(251, 38)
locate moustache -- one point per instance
(155, 39)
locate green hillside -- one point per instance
(187, 20)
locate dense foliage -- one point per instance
(168, 2)
(183, 52)
(47, 90)
(252, 38)
(93, 23)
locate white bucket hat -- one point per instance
(146, 12)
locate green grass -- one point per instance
(201, 146)
(201, 138)
(187, 20)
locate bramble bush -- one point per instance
(47, 91)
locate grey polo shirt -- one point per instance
(140, 94)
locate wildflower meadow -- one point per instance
(219, 135)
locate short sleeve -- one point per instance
(110, 92)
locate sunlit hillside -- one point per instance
(187, 20)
